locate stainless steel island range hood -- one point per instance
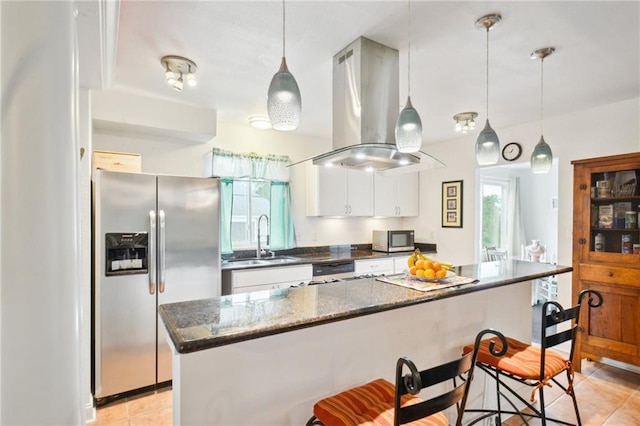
(365, 110)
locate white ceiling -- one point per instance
(237, 46)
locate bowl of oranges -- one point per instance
(424, 268)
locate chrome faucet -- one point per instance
(260, 251)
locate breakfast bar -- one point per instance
(265, 357)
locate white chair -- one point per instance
(494, 254)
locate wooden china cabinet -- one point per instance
(606, 203)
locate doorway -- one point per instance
(515, 207)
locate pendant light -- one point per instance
(487, 144)
(284, 102)
(541, 157)
(409, 126)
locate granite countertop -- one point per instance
(207, 323)
(328, 256)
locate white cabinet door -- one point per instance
(396, 195)
(384, 197)
(333, 191)
(408, 194)
(264, 287)
(400, 264)
(374, 266)
(360, 193)
(243, 281)
(336, 191)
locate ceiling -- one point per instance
(237, 46)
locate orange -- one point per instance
(420, 273)
(420, 264)
(436, 266)
(428, 265)
(441, 273)
(429, 273)
(413, 270)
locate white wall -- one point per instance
(539, 217)
(40, 216)
(84, 141)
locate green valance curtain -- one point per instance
(250, 165)
(230, 166)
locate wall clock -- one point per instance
(512, 151)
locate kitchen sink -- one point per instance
(277, 260)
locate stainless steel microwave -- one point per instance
(392, 240)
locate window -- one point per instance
(253, 185)
(251, 198)
(493, 217)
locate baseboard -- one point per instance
(90, 411)
(619, 364)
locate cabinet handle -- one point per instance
(161, 251)
(151, 255)
(583, 186)
(582, 240)
(610, 274)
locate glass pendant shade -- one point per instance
(487, 146)
(284, 103)
(541, 158)
(409, 129)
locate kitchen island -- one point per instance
(266, 357)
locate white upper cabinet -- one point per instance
(396, 195)
(337, 191)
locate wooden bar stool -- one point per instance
(534, 366)
(381, 403)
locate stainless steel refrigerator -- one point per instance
(156, 241)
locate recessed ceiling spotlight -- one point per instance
(260, 122)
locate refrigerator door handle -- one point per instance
(161, 253)
(151, 254)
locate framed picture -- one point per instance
(452, 204)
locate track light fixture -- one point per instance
(177, 69)
(465, 121)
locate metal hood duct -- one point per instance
(365, 110)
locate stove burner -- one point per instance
(357, 277)
(324, 281)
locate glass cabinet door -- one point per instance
(615, 209)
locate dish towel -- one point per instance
(422, 285)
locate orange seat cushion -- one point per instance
(521, 360)
(369, 404)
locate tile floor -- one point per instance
(150, 409)
(606, 396)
